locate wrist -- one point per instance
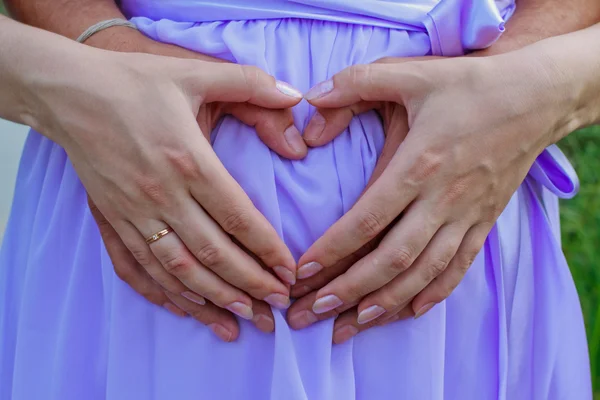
(122, 39)
(572, 71)
(541, 92)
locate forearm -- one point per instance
(535, 20)
(71, 17)
(555, 81)
(575, 71)
(65, 17)
(34, 63)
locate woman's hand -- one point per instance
(129, 127)
(476, 127)
(219, 320)
(275, 128)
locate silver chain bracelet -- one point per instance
(109, 23)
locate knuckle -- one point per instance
(466, 262)
(143, 256)
(436, 267)
(185, 164)
(370, 224)
(105, 228)
(471, 252)
(176, 264)
(236, 223)
(399, 259)
(209, 255)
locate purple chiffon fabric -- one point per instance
(513, 329)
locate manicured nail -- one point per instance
(241, 310)
(278, 300)
(308, 270)
(326, 303)
(369, 314)
(319, 90)
(285, 274)
(264, 323)
(193, 297)
(344, 333)
(294, 140)
(222, 332)
(302, 319)
(424, 309)
(315, 127)
(172, 308)
(288, 89)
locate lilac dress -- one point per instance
(71, 330)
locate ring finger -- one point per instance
(177, 260)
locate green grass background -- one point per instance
(580, 218)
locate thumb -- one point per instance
(274, 127)
(385, 81)
(327, 123)
(239, 84)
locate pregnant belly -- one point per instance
(300, 198)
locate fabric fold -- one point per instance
(71, 326)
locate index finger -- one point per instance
(239, 84)
(227, 203)
(378, 207)
(369, 82)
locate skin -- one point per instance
(532, 22)
(161, 179)
(449, 198)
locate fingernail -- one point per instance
(278, 300)
(315, 127)
(308, 270)
(344, 333)
(241, 310)
(302, 319)
(172, 308)
(193, 297)
(369, 314)
(299, 291)
(294, 140)
(288, 89)
(285, 274)
(264, 323)
(424, 309)
(326, 303)
(319, 90)
(222, 332)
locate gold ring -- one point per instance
(158, 235)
